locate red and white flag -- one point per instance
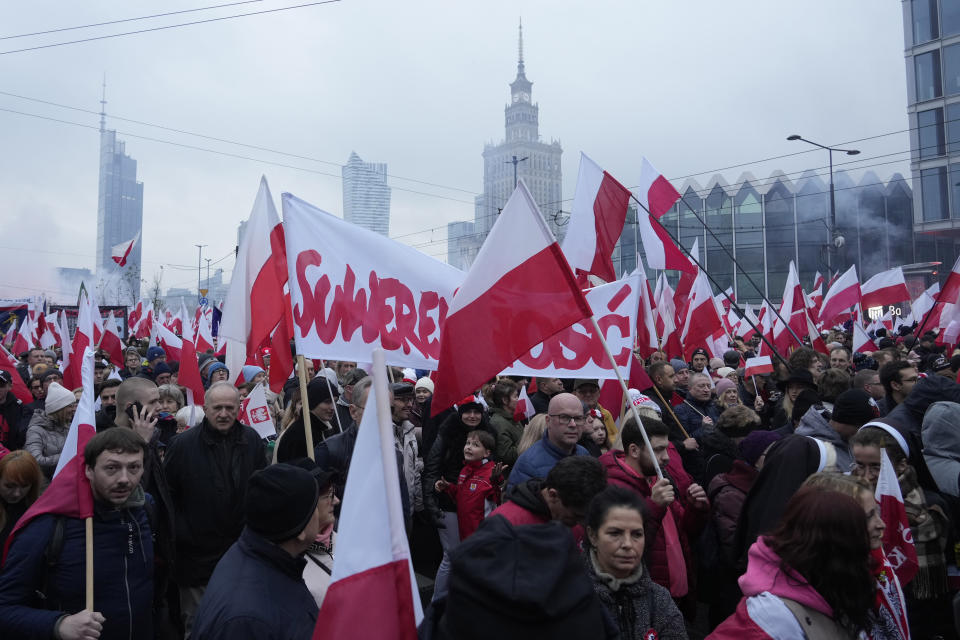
(120, 252)
(518, 292)
(886, 288)
(171, 344)
(843, 294)
(256, 304)
(702, 320)
(9, 364)
(111, 342)
(816, 293)
(189, 376)
(524, 409)
(951, 288)
(758, 366)
(861, 340)
(144, 326)
(659, 247)
(666, 318)
(69, 493)
(255, 413)
(596, 221)
(204, 342)
(83, 338)
(373, 557)
(134, 317)
(24, 340)
(655, 192)
(646, 317)
(793, 310)
(897, 537)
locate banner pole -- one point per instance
(626, 394)
(305, 403)
(89, 559)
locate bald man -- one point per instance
(565, 420)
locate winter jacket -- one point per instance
(319, 567)
(540, 401)
(727, 493)
(690, 413)
(14, 419)
(122, 581)
(694, 463)
(637, 604)
(257, 592)
(690, 522)
(406, 443)
(292, 443)
(813, 424)
(476, 491)
(537, 461)
(762, 612)
(941, 448)
(445, 460)
(509, 432)
(207, 473)
(526, 505)
(45, 441)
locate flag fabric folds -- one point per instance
(757, 366)
(519, 291)
(897, 537)
(886, 288)
(120, 252)
(655, 192)
(596, 221)
(843, 294)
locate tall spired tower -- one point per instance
(520, 155)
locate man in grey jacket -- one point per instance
(851, 410)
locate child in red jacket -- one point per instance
(478, 487)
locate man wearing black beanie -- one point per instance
(257, 589)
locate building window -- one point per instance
(930, 128)
(955, 188)
(950, 16)
(951, 69)
(953, 128)
(925, 27)
(928, 75)
(933, 182)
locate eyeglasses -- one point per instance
(565, 419)
(913, 379)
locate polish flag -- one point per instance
(666, 319)
(134, 317)
(519, 292)
(681, 297)
(53, 327)
(748, 323)
(204, 342)
(171, 344)
(9, 364)
(524, 409)
(66, 353)
(702, 320)
(96, 316)
(885, 288)
(144, 326)
(793, 310)
(111, 342)
(897, 537)
(255, 413)
(816, 293)
(920, 308)
(48, 338)
(659, 247)
(843, 294)
(758, 366)
(69, 493)
(24, 340)
(655, 192)
(861, 340)
(189, 376)
(83, 338)
(951, 288)
(373, 557)
(723, 299)
(120, 252)
(596, 221)
(646, 326)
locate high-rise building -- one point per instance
(366, 196)
(119, 213)
(520, 155)
(931, 31)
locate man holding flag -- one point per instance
(98, 481)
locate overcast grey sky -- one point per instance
(421, 85)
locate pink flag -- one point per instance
(120, 252)
(373, 557)
(655, 192)
(897, 537)
(596, 221)
(758, 366)
(519, 291)
(843, 294)
(69, 493)
(885, 288)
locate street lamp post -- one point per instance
(833, 206)
(515, 162)
(199, 272)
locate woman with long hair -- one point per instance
(532, 433)
(811, 577)
(505, 394)
(615, 533)
(20, 483)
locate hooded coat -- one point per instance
(941, 446)
(815, 425)
(45, 440)
(526, 505)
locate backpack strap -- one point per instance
(51, 556)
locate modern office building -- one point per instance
(931, 31)
(766, 223)
(366, 196)
(520, 155)
(119, 213)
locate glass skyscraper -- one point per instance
(366, 196)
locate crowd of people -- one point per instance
(738, 506)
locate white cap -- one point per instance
(57, 398)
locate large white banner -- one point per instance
(576, 352)
(353, 291)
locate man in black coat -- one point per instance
(14, 416)
(207, 468)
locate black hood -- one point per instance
(527, 495)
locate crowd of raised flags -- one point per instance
(314, 286)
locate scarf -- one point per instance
(928, 526)
(676, 563)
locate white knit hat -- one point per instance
(58, 398)
(425, 383)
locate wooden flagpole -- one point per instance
(305, 403)
(89, 572)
